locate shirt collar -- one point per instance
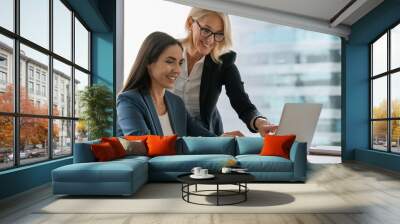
(201, 61)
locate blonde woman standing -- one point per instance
(208, 65)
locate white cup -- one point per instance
(203, 172)
(226, 170)
(196, 170)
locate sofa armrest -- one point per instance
(83, 152)
(298, 155)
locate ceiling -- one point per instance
(325, 16)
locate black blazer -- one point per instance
(215, 76)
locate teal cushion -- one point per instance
(185, 163)
(133, 158)
(206, 145)
(249, 145)
(257, 163)
(111, 171)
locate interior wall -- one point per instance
(356, 99)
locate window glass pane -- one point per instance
(6, 74)
(6, 142)
(81, 45)
(7, 14)
(34, 97)
(379, 55)
(81, 131)
(62, 29)
(280, 59)
(35, 21)
(395, 138)
(379, 135)
(81, 81)
(62, 138)
(62, 89)
(395, 94)
(395, 47)
(379, 97)
(33, 139)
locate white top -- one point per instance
(187, 87)
(165, 124)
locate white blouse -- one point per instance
(165, 124)
(187, 87)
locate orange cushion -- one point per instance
(103, 151)
(116, 145)
(275, 145)
(161, 145)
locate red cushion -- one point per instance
(103, 151)
(275, 145)
(161, 145)
(116, 145)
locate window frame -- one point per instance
(16, 114)
(388, 74)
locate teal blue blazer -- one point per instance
(137, 115)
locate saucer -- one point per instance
(208, 176)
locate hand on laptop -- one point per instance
(264, 127)
(232, 134)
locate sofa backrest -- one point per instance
(248, 145)
(83, 153)
(192, 146)
(206, 145)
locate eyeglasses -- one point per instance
(204, 32)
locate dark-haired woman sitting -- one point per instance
(144, 106)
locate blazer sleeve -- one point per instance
(238, 97)
(196, 129)
(131, 117)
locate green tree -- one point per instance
(97, 103)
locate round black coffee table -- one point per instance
(238, 179)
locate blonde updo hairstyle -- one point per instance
(220, 47)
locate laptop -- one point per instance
(300, 119)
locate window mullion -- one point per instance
(16, 84)
(50, 81)
(389, 106)
(73, 82)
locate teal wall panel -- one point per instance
(356, 101)
(103, 59)
(24, 178)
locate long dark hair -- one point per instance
(152, 47)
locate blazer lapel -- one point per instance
(153, 112)
(206, 82)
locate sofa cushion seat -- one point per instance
(132, 159)
(257, 163)
(112, 171)
(184, 163)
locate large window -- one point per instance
(385, 92)
(43, 60)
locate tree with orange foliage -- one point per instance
(33, 130)
(380, 127)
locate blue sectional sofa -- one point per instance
(125, 176)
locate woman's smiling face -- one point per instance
(211, 22)
(166, 69)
